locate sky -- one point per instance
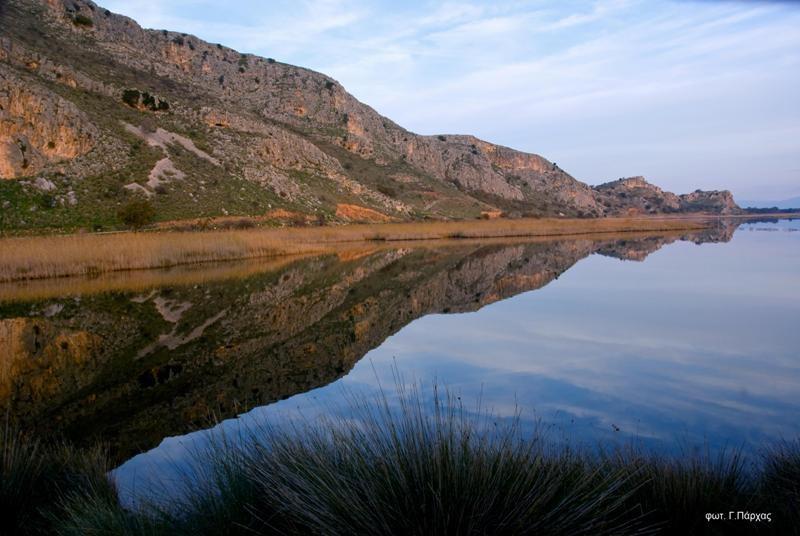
(690, 94)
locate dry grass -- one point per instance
(59, 256)
(203, 273)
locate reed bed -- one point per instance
(91, 254)
(200, 273)
(416, 468)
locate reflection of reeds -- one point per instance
(140, 281)
(200, 273)
(58, 256)
(415, 467)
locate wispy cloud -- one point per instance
(607, 88)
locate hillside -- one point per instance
(96, 111)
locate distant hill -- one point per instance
(793, 202)
(96, 111)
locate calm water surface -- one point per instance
(664, 342)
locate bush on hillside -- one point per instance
(83, 20)
(136, 213)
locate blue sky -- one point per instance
(690, 94)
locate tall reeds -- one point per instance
(90, 254)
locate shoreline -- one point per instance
(45, 257)
(199, 273)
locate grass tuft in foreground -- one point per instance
(38, 479)
(410, 468)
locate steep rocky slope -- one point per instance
(95, 110)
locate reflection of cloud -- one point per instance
(695, 344)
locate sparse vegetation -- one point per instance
(82, 20)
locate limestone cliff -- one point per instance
(37, 127)
(75, 77)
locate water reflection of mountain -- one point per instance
(132, 368)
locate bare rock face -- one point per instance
(715, 202)
(634, 195)
(281, 136)
(38, 127)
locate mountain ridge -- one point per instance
(95, 110)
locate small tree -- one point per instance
(131, 97)
(136, 213)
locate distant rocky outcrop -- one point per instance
(634, 195)
(714, 202)
(75, 77)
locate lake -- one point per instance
(672, 342)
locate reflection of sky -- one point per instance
(698, 344)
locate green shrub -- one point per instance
(131, 97)
(148, 100)
(387, 190)
(83, 20)
(136, 213)
(46, 201)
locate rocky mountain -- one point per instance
(634, 195)
(95, 111)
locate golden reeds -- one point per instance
(58, 256)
